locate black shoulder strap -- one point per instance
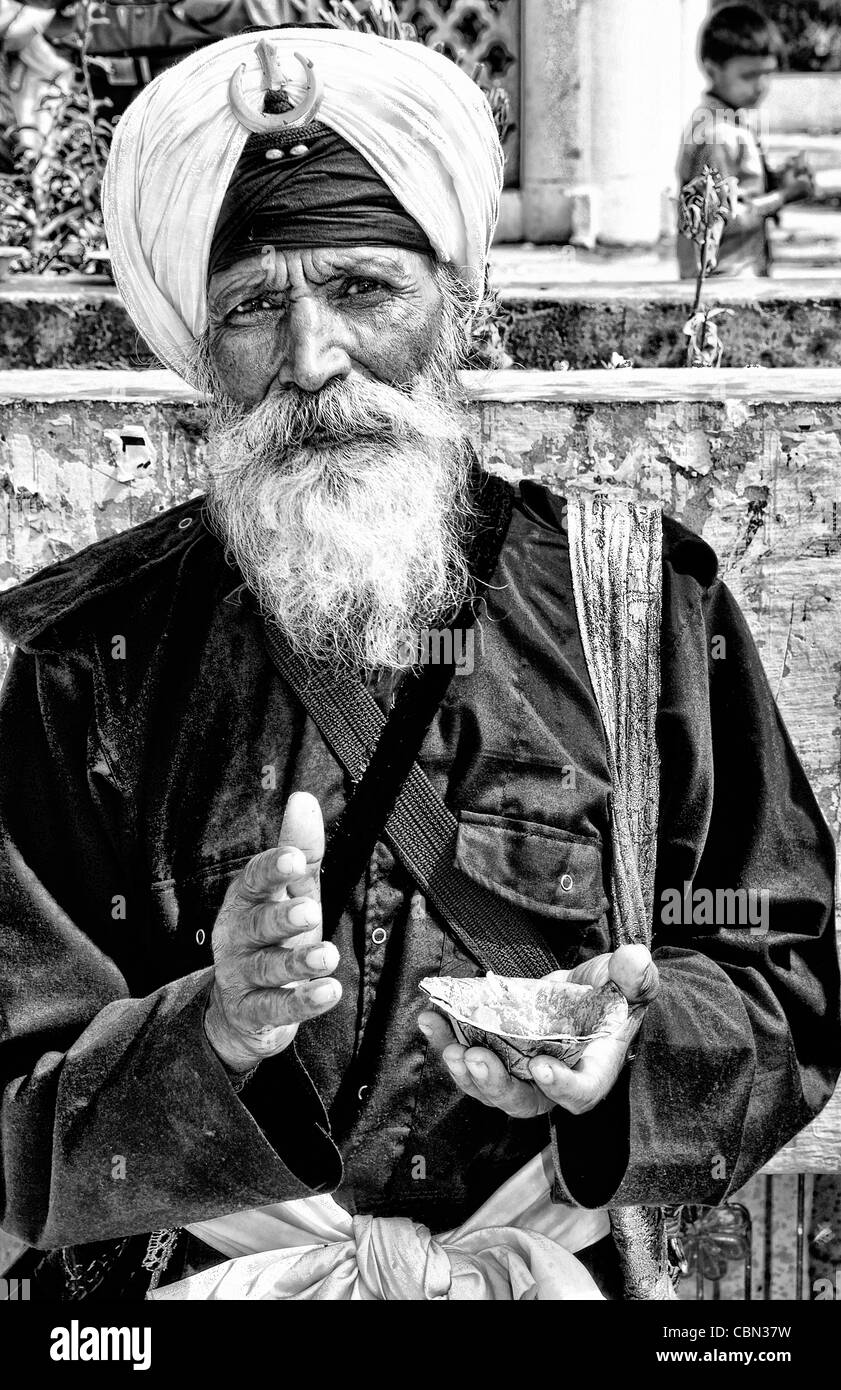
(419, 827)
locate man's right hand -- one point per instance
(272, 966)
(796, 183)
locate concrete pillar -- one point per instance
(693, 80)
(635, 53)
(555, 137)
(692, 85)
(607, 87)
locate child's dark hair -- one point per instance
(740, 31)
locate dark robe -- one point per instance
(147, 748)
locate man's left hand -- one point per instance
(481, 1074)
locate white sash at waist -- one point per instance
(518, 1246)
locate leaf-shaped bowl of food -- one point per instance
(521, 1019)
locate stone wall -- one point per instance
(772, 324)
(58, 324)
(750, 459)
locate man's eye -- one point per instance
(254, 306)
(362, 286)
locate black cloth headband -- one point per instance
(307, 187)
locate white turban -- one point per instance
(421, 123)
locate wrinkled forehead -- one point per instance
(281, 268)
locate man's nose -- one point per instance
(313, 352)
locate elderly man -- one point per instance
(220, 1076)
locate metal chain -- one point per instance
(159, 1253)
(674, 1222)
(81, 1279)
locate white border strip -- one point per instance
(801, 384)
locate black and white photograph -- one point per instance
(420, 642)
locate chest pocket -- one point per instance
(544, 870)
(185, 908)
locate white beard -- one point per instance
(346, 513)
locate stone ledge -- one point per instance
(156, 386)
(723, 384)
(726, 291)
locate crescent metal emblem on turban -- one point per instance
(256, 120)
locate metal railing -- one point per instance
(708, 1244)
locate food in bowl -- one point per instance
(521, 1019)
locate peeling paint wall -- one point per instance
(75, 472)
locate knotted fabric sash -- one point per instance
(518, 1247)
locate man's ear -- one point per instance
(712, 70)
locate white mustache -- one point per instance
(343, 413)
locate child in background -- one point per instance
(739, 50)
